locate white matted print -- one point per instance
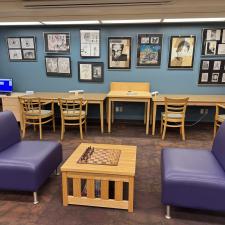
(85, 71)
(204, 77)
(216, 65)
(221, 49)
(213, 35)
(14, 43)
(29, 54)
(27, 42)
(215, 77)
(223, 78)
(210, 48)
(64, 65)
(15, 54)
(205, 65)
(51, 65)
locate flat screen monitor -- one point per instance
(6, 85)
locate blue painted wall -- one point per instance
(32, 76)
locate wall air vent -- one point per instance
(39, 4)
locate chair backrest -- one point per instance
(176, 106)
(9, 130)
(218, 148)
(30, 104)
(68, 105)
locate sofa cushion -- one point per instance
(218, 148)
(27, 164)
(192, 178)
(9, 130)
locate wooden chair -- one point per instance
(219, 118)
(174, 115)
(73, 113)
(34, 112)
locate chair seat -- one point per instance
(74, 113)
(221, 118)
(192, 178)
(30, 163)
(173, 115)
(39, 113)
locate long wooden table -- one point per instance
(92, 98)
(129, 92)
(194, 100)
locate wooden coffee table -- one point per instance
(81, 173)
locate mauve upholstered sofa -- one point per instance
(24, 165)
(195, 178)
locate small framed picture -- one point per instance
(21, 48)
(205, 65)
(58, 66)
(223, 78)
(215, 77)
(182, 50)
(90, 43)
(216, 65)
(221, 49)
(210, 47)
(57, 42)
(213, 35)
(119, 53)
(91, 71)
(205, 77)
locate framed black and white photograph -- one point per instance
(182, 49)
(57, 42)
(119, 53)
(21, 48)
(149, 50)
(91, 71)
(212, 72)
(90, 43)
(58, 66)
(213, 42)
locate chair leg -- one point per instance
(167, 216)
(40, 129)
(81, 131)
(161, 126)
(164, 129)
(53, 123)
(62, 130)
(24, 129)
(183, 132)
(35, 198)
(85, 125)
(215, 128)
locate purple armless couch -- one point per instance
(195, 178)
(24, 165)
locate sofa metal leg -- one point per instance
(35, 198)
(167, 216)
(57, 172)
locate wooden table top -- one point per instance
(192, 98)
(126, 164)
(129, 94)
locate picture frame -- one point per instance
(57, 42)
(21, 48)
(149, 48)
(119, 53)
(213, 42)
(212, 72)
(91, 72)
(59, 66)
(90, 43)
(182, 51)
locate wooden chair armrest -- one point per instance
(220, 106)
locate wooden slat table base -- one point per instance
(103, 200)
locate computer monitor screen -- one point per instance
(6, 85)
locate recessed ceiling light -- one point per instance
(183, 20)
(70, 22)
(131, 21)
(18, 23)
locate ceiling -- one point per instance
(47, 10)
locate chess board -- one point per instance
(100, 156)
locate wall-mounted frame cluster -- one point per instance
(91, 71)
(213, 42)
(58, 66)
(149, 48)
(212, 72)
(21, 48)
(182, 49)
(90, 43)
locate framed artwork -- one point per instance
(212, 72)
(91, 71)
(119, 53)
(58, 66)
(90, 43)
(182, 49)
(21, 48)
(57, 42)
(213, 42)
(149, 50)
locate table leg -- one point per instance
(64, 189)
(109, 116)
(154, 118)
(148, 113)
(102, 116)
(113, 111)
(131, 195)
(145, 113)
